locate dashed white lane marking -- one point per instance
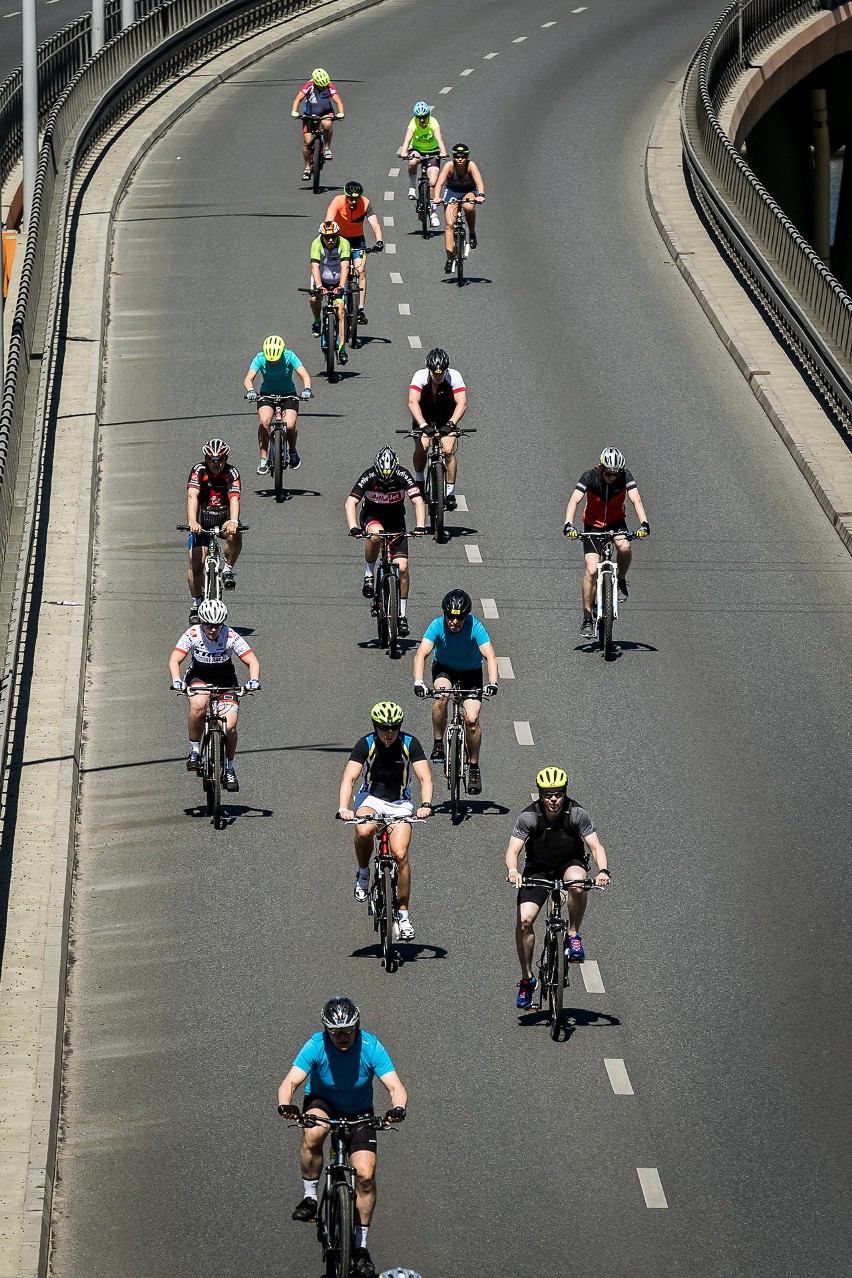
(468, 71)
(387, 221)
(519, 40)
(618, 1077)
(504, 668)
(523, 735)
(544, 25)
(652, 1187)
(461, 502)
(489, 609)
(389, 195)
(396, 278)
(448, 89)
(591, 974)
(404, 308)
(474, 554)
(393, 172)
(415, 343)
(488, 56)
(582, 9)
(390, 248)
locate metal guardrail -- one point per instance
(799, 289)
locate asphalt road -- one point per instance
(51, 16)
(712, 754)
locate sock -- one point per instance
(403, 914)
(198, 601)
(364, 872)
(412, 181)
(451, 488)
(195, 745)
(403, 604)
(368, 568)
(310, 1187)
(361, 1235)
(420, 476)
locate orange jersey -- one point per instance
(351, 222)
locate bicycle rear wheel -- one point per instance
(605, 619)
(342, 1229)
(556, 983)
(277, 443)
(393, 615)
(388, 952)
(455, 762)
(316, 162)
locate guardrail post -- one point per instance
(822, 175)
(29, 93)
(740, 30)
(128, 12)
(98, 25)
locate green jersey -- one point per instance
(423, 138)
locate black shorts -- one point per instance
(397, 546)
(357, 243)
(361, 1138)
(539, 894)
(593, 547)
(208, 519)
(221, 674)
(460, 678)
(268, 399)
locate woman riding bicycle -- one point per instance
(423, 141)
(276, 365)
(462, 183)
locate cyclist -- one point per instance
(383, 489)
(460, 642)
(461, 182)
(382, 762)
(212, 501)
(320, 97)
(350, 211)
(339, 1064)
(437, 396)
(423, 140)
(605, 488)
(558, 835)
(330, 257)
(212, 646)
(276, 365)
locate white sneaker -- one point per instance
(412, 194)
(263, 466)
(362, 887)
(404, 929)
(433, 220)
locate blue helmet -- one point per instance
(420, 108)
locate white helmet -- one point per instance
(399, 1273)
(612, 459)
(212, 612)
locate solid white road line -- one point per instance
(474, 554)
(617, 1071)
(461, 502)
(590, 972)
(504, 668)
(395, 277)
(389, 195)
(393, 172)
(469, 71)
(387, 221)
(404, 308)
(523, 733)
(415, 343)
(652, 1187)
(489, 609)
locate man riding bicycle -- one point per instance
(212, 646)
(339, 1064)
(330, 258)
(605, 488)
(462, 184)
(558, 835)
(381, 764)
(437, 396)
(276, 365)
(350, 211)
(460, 642)
(423, 141)
(383, 489)
(212, 501)
(320, 97)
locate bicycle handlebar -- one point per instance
(431, 429)
(217, 529)
(208, 689)
(558, 885)
(343, 1124)
(458, 694)
(388, 536)
(599, 534)
(381, 819)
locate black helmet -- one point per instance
(461, 151)
(340, 1013)
(386, 464)
(438, 360)
(353, 189)
(456, 603)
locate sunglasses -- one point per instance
(384, 727)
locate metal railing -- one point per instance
(813, 308)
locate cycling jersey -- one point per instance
(277, 376)
(423, 138)
(437, 402)
(318, 101)
(458, 651)
(351, 221)
(385, 502)
(330, 260)
(551, 846)
(344, 1079)
(604, 501)
(212, 659)
(214, 490)
(386, 769)
(460, 183)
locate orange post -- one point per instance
(10, 239)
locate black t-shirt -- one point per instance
(387, 769)
(214, 490)
(385, 502)
(604, 501)
(552, 845)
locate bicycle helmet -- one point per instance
(217, 450)
(461, 151)
(328, 229)
(456, 603)
(353, 190)
(320, 77)
(420, 108)
(438, 361)
(399, 1273)
(612, 459)
(387, 714)
(386, 463)
(552, 779)
(340, 1013)
(212, 612)
(273, 348)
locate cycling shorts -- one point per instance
(460, 678)
(398, 808)
(221, 675)
(398, 547)
(207, 519)
(268, 401)
(357, 244)
(592, 547)
(363, 1138)
(539, 895)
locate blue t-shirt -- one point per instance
(458, 651)
(277, 377)
(344, 1079)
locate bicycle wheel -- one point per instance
(330, 326)
(277, 445)
(388, 952)
(556, 983)
(439, 489)
(342, 1232)
(212, 577)
(605, 619)
(459, 238)
(353, 298)
(455, 762)
(316, 162)
(213, 774)
(424, 206)
(393, 615)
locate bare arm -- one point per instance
(637, 505)
(305, 376)
(290, 1084)
(351, 773)
(573, 502)
(426, 646)
(192, 509)
(513, 851)
(460, 408)
(351, 509)
(250, 660)
(375, 224)
(297, 101)
(414, 407)
(174, 663)
(487, 650)
(396, 1091)
(316, 278)
(249, 380)
(424, 775)
(406, 141)
(598, 851)
(477, 177)
(441, 179)
(439, 138)
(419, 511)
(341, 109)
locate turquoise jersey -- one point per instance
(343, 1079)
(459, 651)
(277, 377)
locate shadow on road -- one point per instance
(573, 1018)
(619, 647)
(406, 951)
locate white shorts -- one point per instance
(400, 808)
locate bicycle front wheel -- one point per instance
(353, 298)
(213, 775)
(388, 954)
(330, 343)
(393, 615)
(455, 762)
(460, 243)
(277, 443)
(316, 163)
(556, 983)
(341, 1231)
(423, 207)
(212, 577)
(605, 619)
(439, 481)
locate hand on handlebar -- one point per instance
(643, 530)
(345, 814)
(419, 531)
(251, 396)
(570, 531)
(341, 115)
(356, 532)
(603, 878)
(515, 878)
(290, 1111)
(178, 685)
(424, 812)
(252, 685)
(490, 690)
(395, 1115)
(420, 689)
(379, 246)
(307, 393)
(295, 114)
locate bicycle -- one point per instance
(606, 596)
(317, 145)
(456, 762)
(278, 452)
(423, 205)
(552, 973)
(435, 477)
(384, 902)
(212, 754)
(386, 596)
(329, 323)
(214, 560)
(352, 299)
(461, 235)
(336, 1210)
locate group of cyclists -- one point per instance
(555, 834)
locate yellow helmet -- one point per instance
(552, 779)
(387, 714)
(320, 77)
(273, 348)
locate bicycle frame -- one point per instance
(213, 750)
(552, 968)
(214, 560)
(606, 586)
(384, 880)
(456, 762)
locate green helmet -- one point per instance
(387, 714)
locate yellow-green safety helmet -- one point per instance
(552, 779)
(320, 77)
(387, 714)
(273, 348)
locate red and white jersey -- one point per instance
(205, 651)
